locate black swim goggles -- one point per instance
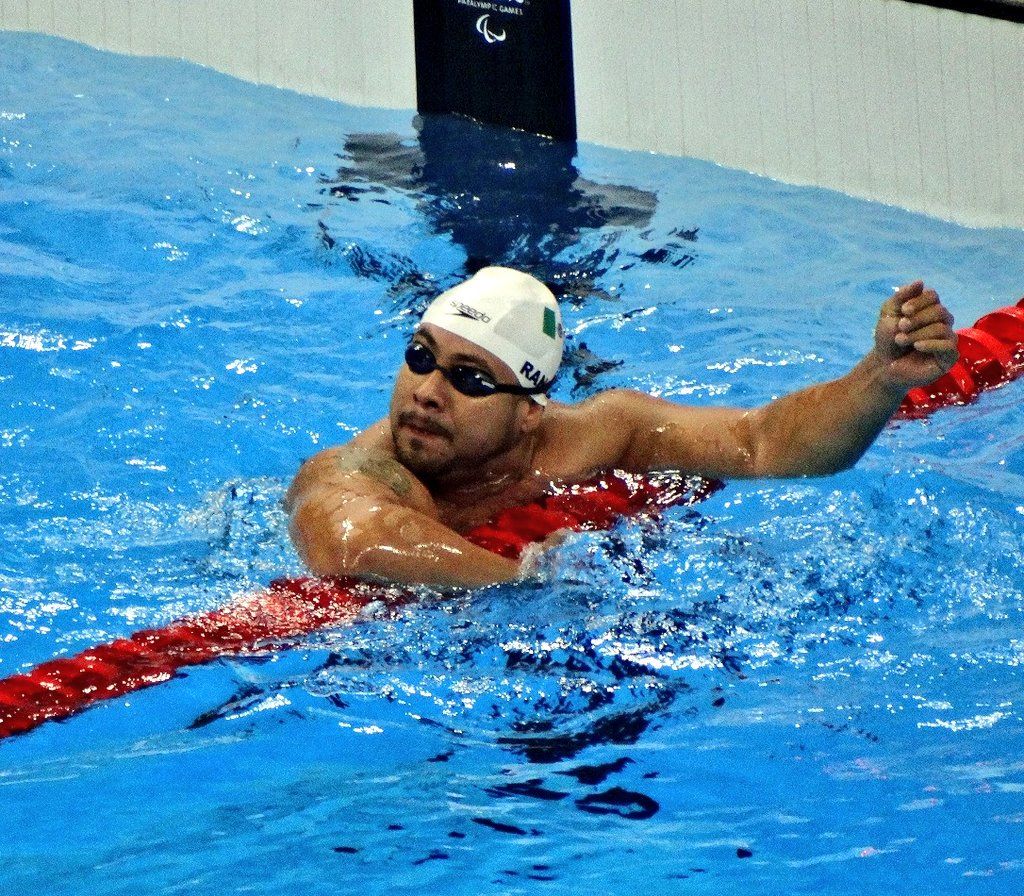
(471, 381)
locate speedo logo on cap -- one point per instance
(464, 310)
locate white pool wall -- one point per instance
(357, 51)
(892, 101)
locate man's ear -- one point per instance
(530, 416)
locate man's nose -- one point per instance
(432, 389)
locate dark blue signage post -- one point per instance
(505, 62)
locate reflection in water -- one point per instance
(508, 198)
(505, 196)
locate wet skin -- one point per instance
(391, 503)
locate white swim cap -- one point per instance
(510, 314)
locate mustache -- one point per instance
(411, 418)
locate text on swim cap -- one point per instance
(532, 374)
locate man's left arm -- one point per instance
(812, 432)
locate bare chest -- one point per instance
(464, 511)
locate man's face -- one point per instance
(438, 431)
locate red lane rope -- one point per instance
(290, 608)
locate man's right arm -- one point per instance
(357, 511)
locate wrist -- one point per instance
(878, 370)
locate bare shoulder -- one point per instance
(628, 408)
(571, 421)
(589, 436)
(628, 430)
(363, 466)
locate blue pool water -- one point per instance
(802, 687)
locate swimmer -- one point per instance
(471, 431)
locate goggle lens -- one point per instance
(469, 381)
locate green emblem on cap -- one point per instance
(549, 323)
